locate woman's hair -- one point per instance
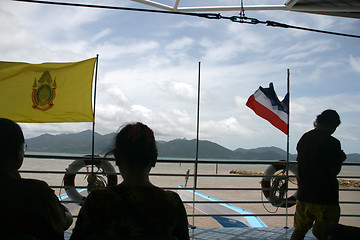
(11, 138)
(328, 117)
(136, 143)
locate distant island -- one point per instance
(80, 143)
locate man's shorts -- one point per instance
(306, 213)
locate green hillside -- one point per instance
(80, 143)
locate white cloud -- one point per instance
(101, 34)
(180, 89)
(192, 24)
(224, 51)
(180, 44)
(228, 127)
(232, 44)
(123, 48)
(117, 95)
(305, 49)
(141, 111)
(355, 63)
(317, 104)
(111, 112)
(240, 101)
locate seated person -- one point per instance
(28, 207)
(135, 207)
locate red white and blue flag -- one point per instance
(265, 103)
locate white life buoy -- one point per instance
(274, 187)
(75, 166)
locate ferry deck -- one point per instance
(270, 233)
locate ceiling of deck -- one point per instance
(339, 8)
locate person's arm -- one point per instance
(82, 227)
(337, 156)
(337, 168)
(68, 218)
(181, 230)
(56, 216)
(95, 214)
(59, 216)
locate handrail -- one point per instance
(200, 188)
(178, 175)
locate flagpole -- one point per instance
(287, 146)
(197, 146)
(93, 124)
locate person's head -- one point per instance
(135, 144)
(11, 144)
(328, 119)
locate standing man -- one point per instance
(319, 162)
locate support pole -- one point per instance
(197, 145)
(287, 149)
(94, 108)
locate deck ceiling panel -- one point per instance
(340, 8)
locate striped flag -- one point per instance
(265, 103)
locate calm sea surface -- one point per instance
(40, 164)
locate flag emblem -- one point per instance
(44, 92)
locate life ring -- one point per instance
(75, 166)
(274, 187)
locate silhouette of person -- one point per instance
(28, 207)
(187, 176)
(319, 162)
(135, 207)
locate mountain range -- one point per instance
(80, 143)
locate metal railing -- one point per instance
(213, 178)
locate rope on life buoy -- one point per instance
(94, 180)
(274, 187)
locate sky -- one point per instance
(149, 66)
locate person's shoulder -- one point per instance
(334, 139)
(170, 193)
(172, 196)
(328, 137)
(33, 183)
(311, 132)
(161, 193)
(174, 202)
(102, 195)
(101, 192)
(35, 190)
(315, 133)
(307, 134)
(335, 143)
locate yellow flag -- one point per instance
(47, 92)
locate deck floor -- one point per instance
(269, 233)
